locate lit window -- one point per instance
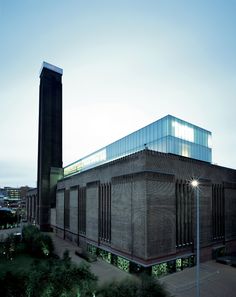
(185, 150)
(209, 141)
(183, 131)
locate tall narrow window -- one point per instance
(67, 208)
(218, 212)
(184, 213)
(82, 210)
(105, 212)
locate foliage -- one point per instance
(13, 285)
(38, 244)
(21, 263)
(7, 218)
(123, 264)
(51, 277)
(58, 278)
(160, 269)
(151, 287)
(10, 246)
(42, 245)
(106, 256)
(146, 286)
(125, 288)
(29, 232)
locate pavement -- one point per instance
(4, 233)
(105, 271)
(216, 280)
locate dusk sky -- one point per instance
(126, 64)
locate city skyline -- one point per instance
(125, 64)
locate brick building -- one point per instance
(133, 204)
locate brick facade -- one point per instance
(142, 207)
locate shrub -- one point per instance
(28, 233)
(37, 243)
(10, 246)
(124, 288)
(146, 286)
(7, 218)
(42, 245)
(56, 278)
(151, 287)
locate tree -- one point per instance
(57, 278)
(37, 243)
(7, 217)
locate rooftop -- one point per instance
(51, 67)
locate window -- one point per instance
(67, 208)
(105, 212)
(218, 210)
(82, 210)
(184, 213)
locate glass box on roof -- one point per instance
(167, 135)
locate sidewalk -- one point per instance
(4, 233)
(216, 280)
(104, 271)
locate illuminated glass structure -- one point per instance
(167, 135)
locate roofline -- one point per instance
(50, 67)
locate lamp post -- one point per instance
(195, 185)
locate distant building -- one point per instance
(132, 202)
(15, 192)
(1, 200)
(12, 193)
(13, 197)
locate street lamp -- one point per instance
(195, 185)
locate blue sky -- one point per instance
(126, 64)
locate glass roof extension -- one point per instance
(168, 135)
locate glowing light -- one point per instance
(183, 131)
(209, 141)
(185, 150)
(194, 183)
